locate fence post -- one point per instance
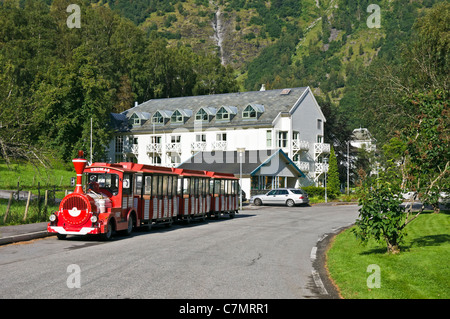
(39, 200)
(28, 205)
(45, 203)
(7, 208)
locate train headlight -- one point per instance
(94, 219)
(52, 217)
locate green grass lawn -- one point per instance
(420, 271)
(55, 179)
(28, 176)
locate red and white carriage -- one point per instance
(121, 196)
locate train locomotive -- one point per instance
(117, 197)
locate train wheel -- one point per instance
(108, 234)
(61, 236)
(129, 229)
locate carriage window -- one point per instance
(155, 185)
(222, 187)
(186, 186)
(138, 184)
(217, 186)
(126, 185)
(196, 186)
(165, 185)
(147, 185)
(204, 182)
(169, 186)
(109, 182)
(160, 185)
(174, 185)
(207, 184)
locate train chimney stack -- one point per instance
(80, 164)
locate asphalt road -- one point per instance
(263, 253)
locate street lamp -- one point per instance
(241, 151)
(325, 168)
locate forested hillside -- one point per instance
(54, 78)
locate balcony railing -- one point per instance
(173, 147)
(298, 145)
(219, 146)
(135, 149)
(303, 166)
(154, 148)
(321, 168)
(320, 148)
(198, 146)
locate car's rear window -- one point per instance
(297, 191)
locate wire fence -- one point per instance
(29, 206)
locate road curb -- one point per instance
(319, 257)
(24, 237)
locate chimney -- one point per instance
(79, 164)
(263, 87)
(135, 103)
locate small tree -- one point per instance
(381, 217)
(333, 175)
(427, 154)
(424, 166)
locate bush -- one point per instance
(314, 191)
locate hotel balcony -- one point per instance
(298, 145)
(219, 146)
(198, 146)
(154, 148)
(303, 166)
(173, 147)
(320, 148)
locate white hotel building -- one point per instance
(206, 132)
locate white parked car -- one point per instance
(283, 196)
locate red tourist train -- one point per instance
(122, 196)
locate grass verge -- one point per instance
(420, 271)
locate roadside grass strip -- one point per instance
(420, 271)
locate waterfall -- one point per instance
(218, 30)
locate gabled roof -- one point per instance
(184, 112)
(229, 109)
(271, 101)
(254, 162)
(141, 115)
(164, 113)
(257, 107)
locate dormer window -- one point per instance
(205, 114)
(138, 118)
(157, 118)
(135, 120)
(253, 111)
(201, 115)
(226, 113)
(161, 116)
(177, 117)
(249, 113)
(222, 114)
